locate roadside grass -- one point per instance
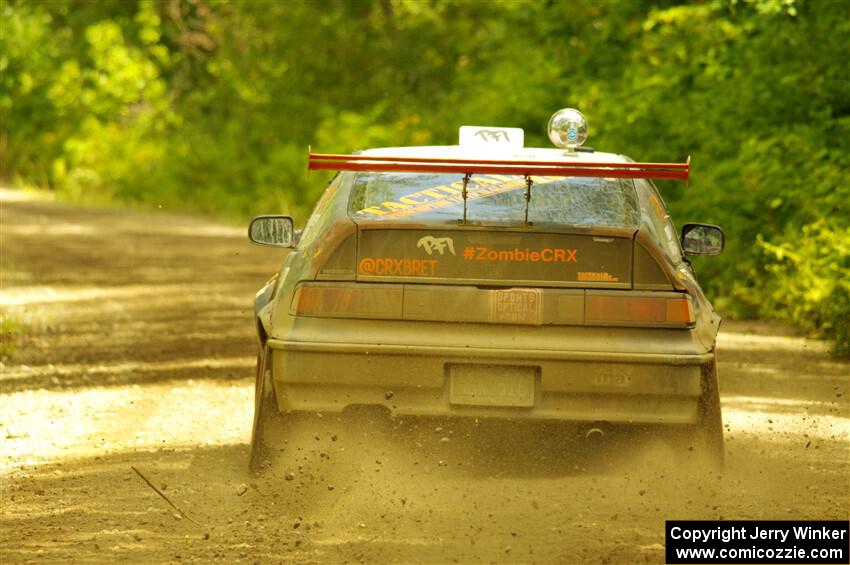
(11, 325)
(11, 329)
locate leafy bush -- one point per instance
(809, 282)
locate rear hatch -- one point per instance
(495, 257)
(414, 257)
(578, 231)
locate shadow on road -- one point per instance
(114, 297)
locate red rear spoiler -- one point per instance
(660, 171)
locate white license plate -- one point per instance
(492, 385)
(516, 306)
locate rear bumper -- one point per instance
(569, 385)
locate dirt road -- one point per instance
(136, 349)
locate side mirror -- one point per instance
(702, 239)
(277, 231)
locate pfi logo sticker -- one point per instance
(496, 135)
(430, 244)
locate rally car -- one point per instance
(491, 280)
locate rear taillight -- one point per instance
(638, 309)
(386, 301)
(348, 300)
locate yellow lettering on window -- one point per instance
(395, 205)
(409, 200)
(375, 211)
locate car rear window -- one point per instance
(492, 198)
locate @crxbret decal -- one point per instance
(390, 266)
(430, 244)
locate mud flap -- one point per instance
(266, 414)
(710, 430)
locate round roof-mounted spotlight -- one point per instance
(568, 129)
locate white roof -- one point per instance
(524, 154)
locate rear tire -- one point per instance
(267, 417)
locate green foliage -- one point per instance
(207, 105)
(809, 281)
